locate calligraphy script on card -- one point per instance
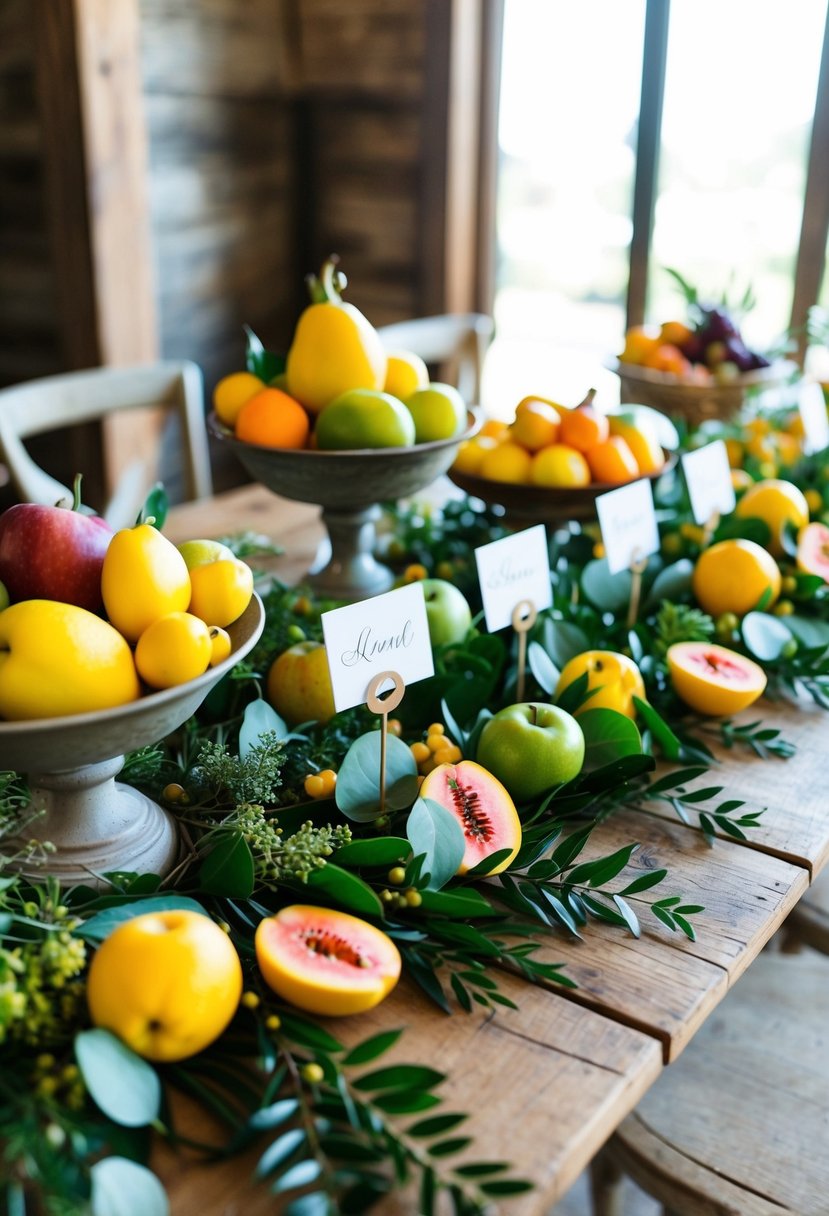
(388, 632)
(708, 478)
(511, 570)
(628, 523)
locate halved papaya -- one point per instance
(813, 550)
(325, 961)
(714, 680)
(482, 806)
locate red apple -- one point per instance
(53, 553)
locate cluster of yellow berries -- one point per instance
(437, 749)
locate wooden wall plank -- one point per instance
(362, 47)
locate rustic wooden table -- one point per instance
(547, 1085)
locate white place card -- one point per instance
(388, 632)
(513, 569)
(628, 523)
(812, 405)
(708, 478)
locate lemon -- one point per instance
(174, 649)
(405, 374)
(232, 392)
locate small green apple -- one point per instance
(447, 612)
(202, 552)
(364, 418)
(531, 747)
(439, 412)
(299, 684)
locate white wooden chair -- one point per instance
(453, 346)
(54, 402)
(739, 1124)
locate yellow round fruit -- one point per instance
(506, 462)
(166, 983)
(733, 576)
(536, 425)
(615, 678)
(174, 649)
(299, 684)
(220, 591)
(143, 578)
(559, 466)
(471, 453)
(777, 503)
(714, 680)
(220, 645)
(405, 374)
(234, 391)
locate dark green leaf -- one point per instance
(659, 728)
(307, 1034)
(445, 1148)
(400, 1076)
(603, 869)
(675, 779)
(575, 694)
(458, 904)
(382, 851)
(260, 362)
(228, 869)
(506, 1186)
(155, 506)
(371, 1048)
(644, 882)
(461, 995)
(608, 736)
(436, 1125)
(346, 889)
(571, 846)
(407, 1102)
(99, 927)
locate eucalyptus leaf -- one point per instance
(259, 719)
(346, 889)
(279, 1151)
(298, 1175)
(563, 641)
(125, 1087)
(543, 668)
(609, 592)
(99, 927)
(121, 1187)
(228, 869)
(358, 781)
(435, 832)
(608, 735)
(764, 635)
(672, 583)
(809, 632)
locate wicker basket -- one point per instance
(695, 403)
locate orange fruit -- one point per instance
(232, 392)
(642, 440)
(667, 358)
(536, 425)
(506, 462)
(674, 333)
(733, 576)
(776, 503)
(613, 461)
(470, 454)
(494, 428)
(583, 427)
(640, 340)
(559, 466)
(741, 480)
(167, 983)
(736, 452)
(272, 419)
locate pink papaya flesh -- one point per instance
(712, 679)
(483, 807)
(813, 550)
(325, 961)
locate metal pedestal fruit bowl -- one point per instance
(348, 485)
(98, 824)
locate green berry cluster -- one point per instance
(41, 992)
(278, 857)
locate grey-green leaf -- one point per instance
(435, 832)
(121, 1187)
(125, 1087)
(358, 781)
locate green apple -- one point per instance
(364, 418)
(447, 612)
(202, 552)
(439, 412)
(298, 684)
(531, 747)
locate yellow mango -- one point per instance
(334, 348)
(58, 659)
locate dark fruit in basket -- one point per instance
(482, 806)
(53, 553)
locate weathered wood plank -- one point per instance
(562, 1074)
(662, 982)
(364, 47)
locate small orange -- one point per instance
(674, 333)
(272, 419)
(536, 425)
(494, 428)
(733, 576)
(234, 391)
(736, 452)
(506, 462)
(559, 465)
(471, 453)
(640, 340)
(613, 461)
(667, 358)
(583, 427)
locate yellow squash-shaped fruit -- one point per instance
(334, 347)
(144, 578)
(58, 659)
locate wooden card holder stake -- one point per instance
(384, 706)
(524, 616)
(709, 528)
(638, 566)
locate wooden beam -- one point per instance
(89, 84)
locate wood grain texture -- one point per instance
(741, 1123)
(565, 1075)
(363, 47)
